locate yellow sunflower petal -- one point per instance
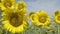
(7, 4)
(47, 26)
(16, 20)
(57, 16)
(21, 6)
(57, 19)
(31, 16)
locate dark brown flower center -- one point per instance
(16, 19)
(42, 19)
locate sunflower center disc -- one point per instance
(42, 19)
(16, 20)
(58, 18)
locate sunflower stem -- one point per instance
(22, 32)
(58, 29)
(6, 31)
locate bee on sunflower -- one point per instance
(57, 16)
(21, 6)
(41, 18)
(7, 4)
(14, 21)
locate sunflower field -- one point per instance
(16, 19)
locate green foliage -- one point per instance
(33, 29)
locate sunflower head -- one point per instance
(21, 6)
(16, 21)
(57, 16)
(31, 16)
(41, 18)
(8, 4)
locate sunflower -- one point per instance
(57, 16)
(21, 6)
(8, 4)
(41, 18)
(31, 16)
(14, 21)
